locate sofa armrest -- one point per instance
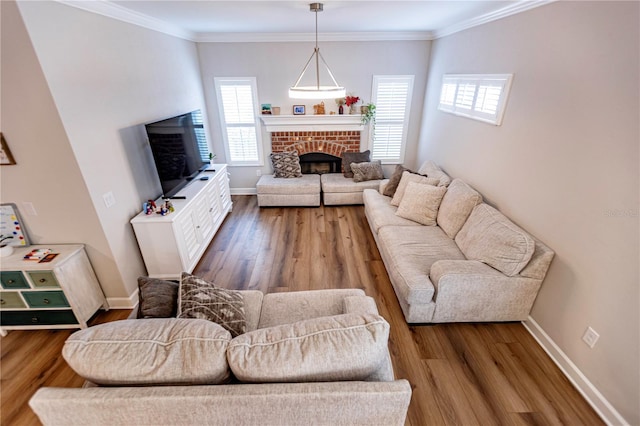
(360, 305)
(358, 403)
(468, 290)
(383, 185)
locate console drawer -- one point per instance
(11, 300)
(45, 299)
(43, 279)
(37, 317)
(13, 279)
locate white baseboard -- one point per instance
(593, 396)
(123, 302)
(244, 191)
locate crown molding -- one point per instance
(513, 9)
(310, 37)
(115, 11)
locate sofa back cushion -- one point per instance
(489, 237)
(432, 170)
(456, 207)
(325, 349)
(167, 351)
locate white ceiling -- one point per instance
(208, 20)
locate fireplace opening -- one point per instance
(320, 163)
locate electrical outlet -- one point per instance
(590, 337)
(109, 199)
(258, 173)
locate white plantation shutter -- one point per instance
(237, 103)
(392, 97)
(479, 96)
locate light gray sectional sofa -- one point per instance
(311, 357)
(473, 265)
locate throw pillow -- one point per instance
(404, 181)
(456, 207)
(363, 172)
(167, 351)
(157, 298)
(489, 237)
(199, 298)
(286, 164)
(353, 157)
(420, 203)
(394, 180)
(334, 348)
(431, 169)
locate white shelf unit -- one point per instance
(175, 243)
(63, 293)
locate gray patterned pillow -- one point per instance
(200, 299)
(286, 164)
(353, 157)
(367, 171)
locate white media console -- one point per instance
(174, 243)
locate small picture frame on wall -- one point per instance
(6, 158)
(298, 110)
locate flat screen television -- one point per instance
(180, 150)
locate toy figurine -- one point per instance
(169, 205)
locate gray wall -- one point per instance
(276, 66)
(564, 165)
(104, 78)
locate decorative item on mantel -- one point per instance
(340, 102)
(351, 102)
(318, 109)
(368, 112)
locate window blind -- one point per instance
(392, 97)
(479, 96)
(237, 105)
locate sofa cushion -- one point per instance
(408, 254)
(353, 157)
(456, 207)
(491, 238)
(157, 298)
(325, 349)
(391, 186)
(432, 170)
(150, 351)
(199, 298)
(381, 213)
(404, 181)
(286, 164)
(366, 171)
(337, 183)
(420, 203)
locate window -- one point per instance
(392, 96)
(479, 96)
(237, 103)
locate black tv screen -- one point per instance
(180, 150)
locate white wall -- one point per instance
(276, 66)
(564, 165)
(106, 78)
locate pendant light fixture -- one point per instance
(317, 91)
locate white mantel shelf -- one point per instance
(312, 123)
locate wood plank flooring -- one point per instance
(461, 374)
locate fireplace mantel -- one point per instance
(312, 123)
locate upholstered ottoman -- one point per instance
(279, 192)
(338, 189)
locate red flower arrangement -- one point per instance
(350, 100)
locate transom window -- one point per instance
(479, 96)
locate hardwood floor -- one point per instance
(461, 374)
